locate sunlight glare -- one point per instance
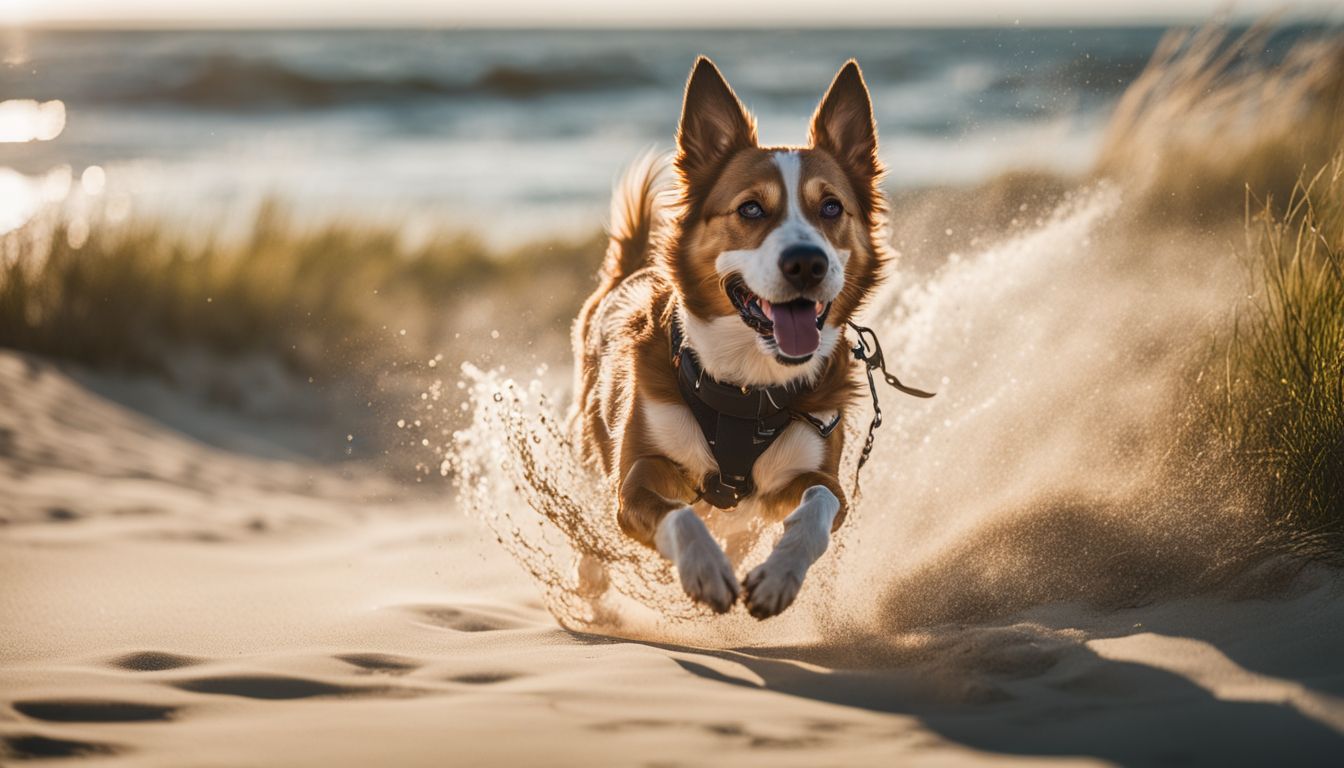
(19, 199)
(21, 196)
(24, 120)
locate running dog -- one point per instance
(711, 365)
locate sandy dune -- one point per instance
(169, 603)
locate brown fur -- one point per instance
(622, 342)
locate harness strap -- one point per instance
(741, 423)
(868, 350)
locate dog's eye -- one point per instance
(831, 208)
(750, 210)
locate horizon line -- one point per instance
(669, 25)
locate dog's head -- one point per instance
(777, 246)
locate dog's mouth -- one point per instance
(794, 327)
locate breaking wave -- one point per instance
(237, 82)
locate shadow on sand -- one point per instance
(1188, 682)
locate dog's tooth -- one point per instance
(768, 310)
(820, 308)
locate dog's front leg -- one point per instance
(772, 586)
(654, 511)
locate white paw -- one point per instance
(708, 578)
(705, 572)
(773, 585)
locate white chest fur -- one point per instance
(672, 429)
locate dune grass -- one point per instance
(1212, 115)
(318, 298)
(1276, 393)
(1211, 127)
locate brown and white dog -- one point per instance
(766, 253)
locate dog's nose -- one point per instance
(804, 266)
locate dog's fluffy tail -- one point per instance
(636, 213)
(636, 209)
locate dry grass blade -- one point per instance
(1279, 407)
(1212, 114)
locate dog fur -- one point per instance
(672, 254)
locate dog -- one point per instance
(711, 368)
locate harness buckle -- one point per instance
(725, 492)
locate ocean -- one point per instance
(511, 134)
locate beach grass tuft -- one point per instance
(1275, 394)
(321, 299)
(1213, 114)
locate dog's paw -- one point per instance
(772, 586)
(705, 572)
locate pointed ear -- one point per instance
(714, 126)
(843, 126)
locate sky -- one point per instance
(632, 12)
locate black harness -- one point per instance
(741, 423)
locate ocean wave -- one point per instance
(612, 73)
(1104, 75)
(233, 82)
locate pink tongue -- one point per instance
(796, 328)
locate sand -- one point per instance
(166, 602)
(1023, 579)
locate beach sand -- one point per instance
(167, 602)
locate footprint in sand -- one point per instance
(380, 663)
(34, 747)
(274, 687)
(281, 688)
(483, 678)
(733, 731)
(463, 619)
(93, 711)
(62, 515)
(153, 661)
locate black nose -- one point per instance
(804, 266)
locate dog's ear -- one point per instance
(843, 126)
(714, 126)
